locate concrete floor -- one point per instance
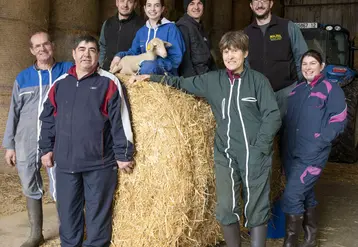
(337, 193)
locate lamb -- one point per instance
(130, 64)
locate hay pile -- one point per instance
(70, 19)
(169, 200)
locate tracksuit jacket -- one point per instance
(316, 114)
(247, 119)
(86, 122)
(166, 31)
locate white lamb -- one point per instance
(130, 64)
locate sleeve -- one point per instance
(298, 45)
(186, 67)
(119, 116)
(134, 50)
(47, 118)
(336, 109)
(175, 52)
(196, 85)
(102, 46)
(13, 118)
(270, 116)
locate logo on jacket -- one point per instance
(275, 37)
(93, 88)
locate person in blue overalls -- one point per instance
(315, 116)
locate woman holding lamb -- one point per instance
(156, 27)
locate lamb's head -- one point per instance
(158, 46)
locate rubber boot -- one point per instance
(310, 228)
(34, 209)
(258, 236)
(293, 230)
(232, 235)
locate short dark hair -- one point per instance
(313, 53)
(234, 39)
(86, 38)
(39, 32)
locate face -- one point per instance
(86, 56)
(42, 48)
(126, 7)
(234, 59)
(195, 9)
(153, 9)
(261, 8)
(311, 68)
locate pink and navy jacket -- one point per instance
(86, 122)
(316, 114)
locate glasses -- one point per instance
(260, 1)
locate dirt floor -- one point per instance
(337, 193)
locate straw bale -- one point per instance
(75, 15)
(35, 12)
(64, 42)
(108, 8)
(169, 200)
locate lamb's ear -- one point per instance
(167, 44)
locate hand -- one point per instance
(135, 78)
(10, 157)
(114, 62)
(126, 167)
(47, 160)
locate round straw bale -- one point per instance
(75, 15)
(35, 12)
(169, 200)
(64, 42)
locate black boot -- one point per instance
(258, 236)
(232, 235)
(310, 228)
(34, 209)
(293, 230)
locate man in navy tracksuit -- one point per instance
(86, 124)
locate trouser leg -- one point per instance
(99, 189)
(70, 205)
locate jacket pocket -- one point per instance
(223, 108)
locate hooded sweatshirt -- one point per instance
(166, 31)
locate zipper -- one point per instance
(72, 134)
(77, 83)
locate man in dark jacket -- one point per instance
(119, 31)
(276, 47)
(197, 58)
(86, 125)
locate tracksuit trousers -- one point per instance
(86, 197)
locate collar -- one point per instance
(192, 20)
(37, 68)
(72, 71)
(130, 17)
(233, 76)
(317, 79)
(272, 22)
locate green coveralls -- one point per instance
(247, 119)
